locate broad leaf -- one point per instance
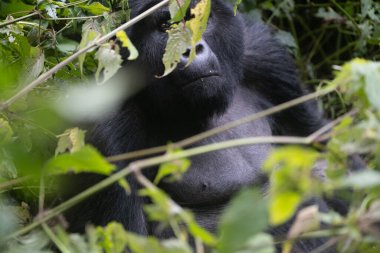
(87, 159)
(245, 217)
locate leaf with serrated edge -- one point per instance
(178, 42)
(198, 25)
(177, 9)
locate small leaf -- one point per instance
(95, 8)
(196, 230)
(109, 62)
(236, 5)
(198, 25)
(361, 80)
(71, 140)
(66, 45)
(178, 42)
(33, 66)
(362, 179)
(282, 206)
(175, 169)
(112, 238)
(291, 179)
(6, 131)
(90, 32)
(178, 9)
(51, 10)
(124, 183)
(260, 243)
(122, 36)
(87, 159)
(245, 217)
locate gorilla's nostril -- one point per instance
(187, 53)
(199, 48)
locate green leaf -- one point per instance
(291, 179)
(112, 238)
(260, 243)
(18, 8)
(196, 230)
(236, 5)
(362, 179)
(175, 169)
(282, 206)
(109, 62)
(124, 183)
(143, 244)
(95, 8)
(51, 9)
(176, 246)
(245, 217)
(161, 208)
(178, 42)
(71, 140)
(122, 36)
(66, 45)
(87, 159)
(6, 131)
(361, 79)
(33, 65)
(90, 33)
(178, 9)
(198, 25)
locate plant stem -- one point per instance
(141, 164)
(19, 19)
(186, 142)
(61, 246)
(13, 182)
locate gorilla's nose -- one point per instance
(202, 51)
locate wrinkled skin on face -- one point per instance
(240, 69)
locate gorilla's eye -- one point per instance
(164, 25)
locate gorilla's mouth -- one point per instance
(199, 79)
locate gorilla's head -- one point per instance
(206, 86)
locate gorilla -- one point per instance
(240, 69)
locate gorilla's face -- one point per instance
(206, 86)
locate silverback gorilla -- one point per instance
(240, 69)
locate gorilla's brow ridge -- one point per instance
(141, 6)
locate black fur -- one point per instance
(240, 69)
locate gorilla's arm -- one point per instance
(270, 70)
(113, 136)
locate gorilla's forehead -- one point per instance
(138, 6)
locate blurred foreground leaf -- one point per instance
(245, 217)
(87, 159)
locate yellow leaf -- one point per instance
(282, 206)
(198, 24)
(126, 42)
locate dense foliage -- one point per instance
(43, 83)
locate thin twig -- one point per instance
(45, 76)
(141, 164)
(331, 124)
(19, 19)
(324, 247)
(186, 142)
(72, 18)
(148, 162)
(61, 246)
(16, 181)
(41, 195)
